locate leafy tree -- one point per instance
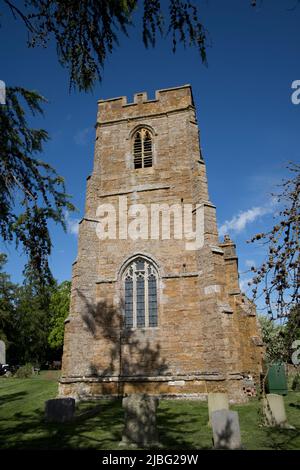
(278, 338)
(29, 336)
(273, 338)
(87, 32)
(31, 192)
(32, 317)
(7, 294)
(59, 309)
(292, 331)
(280, 272)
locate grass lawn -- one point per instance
(182, 424)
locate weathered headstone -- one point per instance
(216, 401)
(2, 92)
(226, 429)
(274, 411)
(140, 420)
(59, 410)
(2, 352)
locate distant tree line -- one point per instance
(32, 318)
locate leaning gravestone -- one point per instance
(274, 411)
(226, 429)
(140, 420)
(59, 410)
(217, 401)
(2, 352)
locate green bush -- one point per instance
(24, 372)
(296, 383)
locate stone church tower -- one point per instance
(148, 314)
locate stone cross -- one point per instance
(2, 352)
(140, 420)
(226, 429)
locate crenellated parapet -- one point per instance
(166, 101)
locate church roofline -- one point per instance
(143, 97)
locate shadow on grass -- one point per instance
(100, 429)
(295, 405)
(178, 429)
(98, 426)
(9, 397)
(283, 439)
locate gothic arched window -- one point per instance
(142, 149)
(140, 282)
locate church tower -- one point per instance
(152, 309)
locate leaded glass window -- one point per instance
(152, 300)
(128, 302)
(140, 302)
(142, 149)
(140, 280)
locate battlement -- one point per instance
(166, 100)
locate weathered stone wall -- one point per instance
(204, 338)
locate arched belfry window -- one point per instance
(140, 282)
(142, 149)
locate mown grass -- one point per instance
(182, 424)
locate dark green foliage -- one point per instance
(24, 372)
(29, 336)
(31, 192)
(292, 331)
(87, 32)
(59, 309)
(279, 338)
(273, 338)
(7, 294)
(32, 317)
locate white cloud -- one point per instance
(244, 284)
(72, 224)
(239, 222)
(84, 136)
(249, 263)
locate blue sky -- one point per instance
(249, 126)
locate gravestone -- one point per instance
(2, 352)
(59, 410)
(2, 92)
(226, 429)
(216, 401)
(140, 420)
(274, 411)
